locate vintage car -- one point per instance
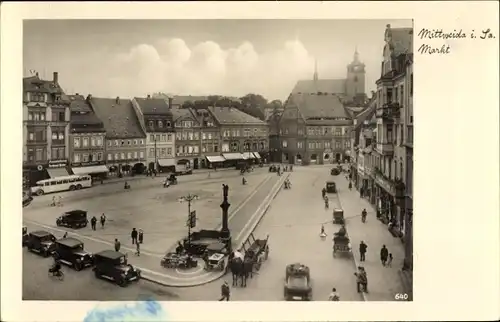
(297, 283)
(113, 266)
(216, 262)
(73, 219)
(70, 252)
(338, 216)
(41, 242)
(25, 236)
(335, 171)
(331, 187)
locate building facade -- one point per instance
(46, 117)
(241, 134)
(156, 120)
(187, 138)
(210, 139)
(390, 156)
(315, 128)
(87, 148)
(125, 138)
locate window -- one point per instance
(390, 138)
(196, 149)
(141, 155)
(311, 145)
(169, 124)
(92, 141)
(401, 96)
(325, 131)
(122, 155)
(151, 152)
(116, 142)
(135, 155)
(128, 142)
(225, 147)
(169, 137)
(196, 135)
(203, 136)
(184, 135)
(61, 135)
(216, 148)
(99, 141)
(327, 144)
(85, 142)
(151, 138)
(110, 157)
(62, 153)
(190, 135)
(117, 156)
(285, 144)
(317, 130)
(255, 131)
(169, 151)
(209, 136)
(347, 144)
(150, 124)
(246, 132)
(338, 131)
(318, 145)
(396, 93)
(285, 131)
(54, 135)
(129, 155)
(85, 157)
(110, 143)
(163, 137)
(338, 145)
(389, 95)
(123, 142)
(163, 151)
(54, 154)
(76, 142)
(178, 136)
(160, 124)
(76, 157)
(300, 144)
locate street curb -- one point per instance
(218, 276)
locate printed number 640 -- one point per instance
(401, 296)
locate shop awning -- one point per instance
(215, 158)
(257, 155)
(233, 156)
(57, 172)
(90, 170)
(166, 162)
(248, 155)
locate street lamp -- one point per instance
(191, 222)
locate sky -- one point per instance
(128, 58)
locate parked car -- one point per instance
(41, 242)
(73, 219)
(113, 266)
(70, 251)
(25, 236)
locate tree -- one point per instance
(254, 104)
(187, 104)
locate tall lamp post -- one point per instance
(191, 222)
(225, 233)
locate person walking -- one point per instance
(384, 253)
(362, 251)
(361, 279)
(133, 234)
(334, 296)
(225, 291)
(103, 220)
(93, 222)
(141, 236)
(117, 245)
(389, 261)
(137, 248)
(66, 235)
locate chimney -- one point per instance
(36, 74)
(118, 100)
(149, 96)
(170, 100)
(77, 94)
(56, 77)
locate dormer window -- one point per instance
(151, 124)
(168, 124)
(160, 124)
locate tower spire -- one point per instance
(356, 54)
(315, 77)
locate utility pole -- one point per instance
(191, 222)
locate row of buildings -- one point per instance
(72, 134)
(382, 139)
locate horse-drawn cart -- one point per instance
(258, 251)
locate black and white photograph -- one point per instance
(218, 160)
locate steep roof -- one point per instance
(401, 40)
(332, 86)
(320, 106)
(178, 113)
(119, 118)
(231, 115)
(36, 84)
(156, 106)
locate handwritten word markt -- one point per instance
(434, 34)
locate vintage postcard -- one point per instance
(179, 155)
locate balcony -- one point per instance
(409, 137)
(389, 111)
(36, 122)
(385, 148)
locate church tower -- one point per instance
(315, 76)
(355, 83)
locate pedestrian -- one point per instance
(362, 251)
(141, 236)
(137, 248)
(322, 233)
(59, 201)
(205, 259)
(361, 279)
(66, 235)
(225, 292)
(384, 253)
(117, 245)
(389, 262)
(103, 220)
(334, 296)
(93, 222)
(53, 204)
(133, 234)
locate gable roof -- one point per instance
(119, 119)
(320, 106)
(178, 113)
(153, 106)
(82, 113)
(231, 115)
(332, 86)
(401, 40)
(36, 84)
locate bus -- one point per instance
(73, 182)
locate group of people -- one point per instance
(93, 221)
(56, 201)
(287, 184)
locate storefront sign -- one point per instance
(86, 164)
(387, 186)
(58, 163)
